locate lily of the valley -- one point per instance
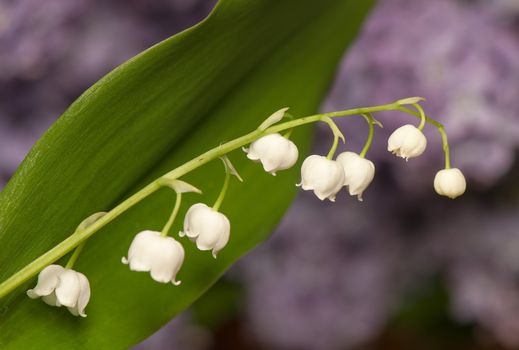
(274, 151)
(323, 176)
(58, 286)
(450, 183)
(207, 227)
(407, 142)
(160, 255)
(358, 172)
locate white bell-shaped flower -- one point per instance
(161, 256)
(58, 286)
(450, 183)
(207, 227)
(274, 151)
(358, 172)
(324, 176)
(407, 142)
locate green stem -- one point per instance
(173, 215)
(445, 144)
(74, 240)
(367, 145)
(422, 115)
(223, 191)
(337, 134)
(334, 147)
(75, 256)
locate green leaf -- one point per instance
(202, 87)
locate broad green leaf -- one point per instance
(207, 85)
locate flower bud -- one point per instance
(59, 286)
(274, 151)
(407, 142)
(207, 227)
(450, 183)
(161, 256)
(358, 172)
(324, 176)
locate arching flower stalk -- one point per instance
(163, 256)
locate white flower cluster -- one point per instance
(163, 256)
(326, 177)
(409, 142)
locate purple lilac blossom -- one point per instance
(181, 333)
(478, 252)
(321, 286)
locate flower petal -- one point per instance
(224, 237)
(51, 299)
(168, 260)
(84, 296)
(141, 248)
(68, 288)
(47, 281)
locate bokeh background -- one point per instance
(405, 269)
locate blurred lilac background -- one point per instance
(385, 273)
